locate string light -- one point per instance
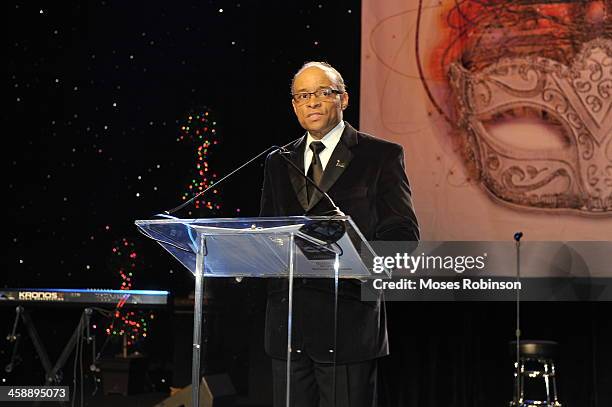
(199, 129)
(131, 324)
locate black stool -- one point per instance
(536, 362)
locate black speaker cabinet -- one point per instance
(124, 375)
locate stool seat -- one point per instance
(533, 349)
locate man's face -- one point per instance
(318, 115)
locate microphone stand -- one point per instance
(335, 210)
(184, 204)
(517, 239)
(282, 152)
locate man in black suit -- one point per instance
(366, 178)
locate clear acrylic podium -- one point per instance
(289, 247)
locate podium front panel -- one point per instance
(328, 248)
(259, 247)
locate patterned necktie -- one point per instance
(315, 172)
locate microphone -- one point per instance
(518, 236)
(335, 210)
(214, 185)
(329, 230)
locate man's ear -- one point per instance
(293, 105)
(344, 99)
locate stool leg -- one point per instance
(516, 386)
(554, 384)
(522, 384)
(547, 383)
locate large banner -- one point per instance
(504, 109)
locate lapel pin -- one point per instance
(339, 164)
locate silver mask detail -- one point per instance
(576, 98)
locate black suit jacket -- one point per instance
(366, 178)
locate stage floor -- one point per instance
(117, 400)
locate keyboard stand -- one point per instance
(53, 374)
(22, 315)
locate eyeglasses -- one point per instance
(323, 93)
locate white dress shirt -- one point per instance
(330, 140)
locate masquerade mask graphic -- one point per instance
(561, 160)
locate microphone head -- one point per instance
(329, 231)
(518, 236)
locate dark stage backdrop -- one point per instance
(98, 134)
(98, 93)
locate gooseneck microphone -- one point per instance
(214, 185)
(335, 210)
(282, 152)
